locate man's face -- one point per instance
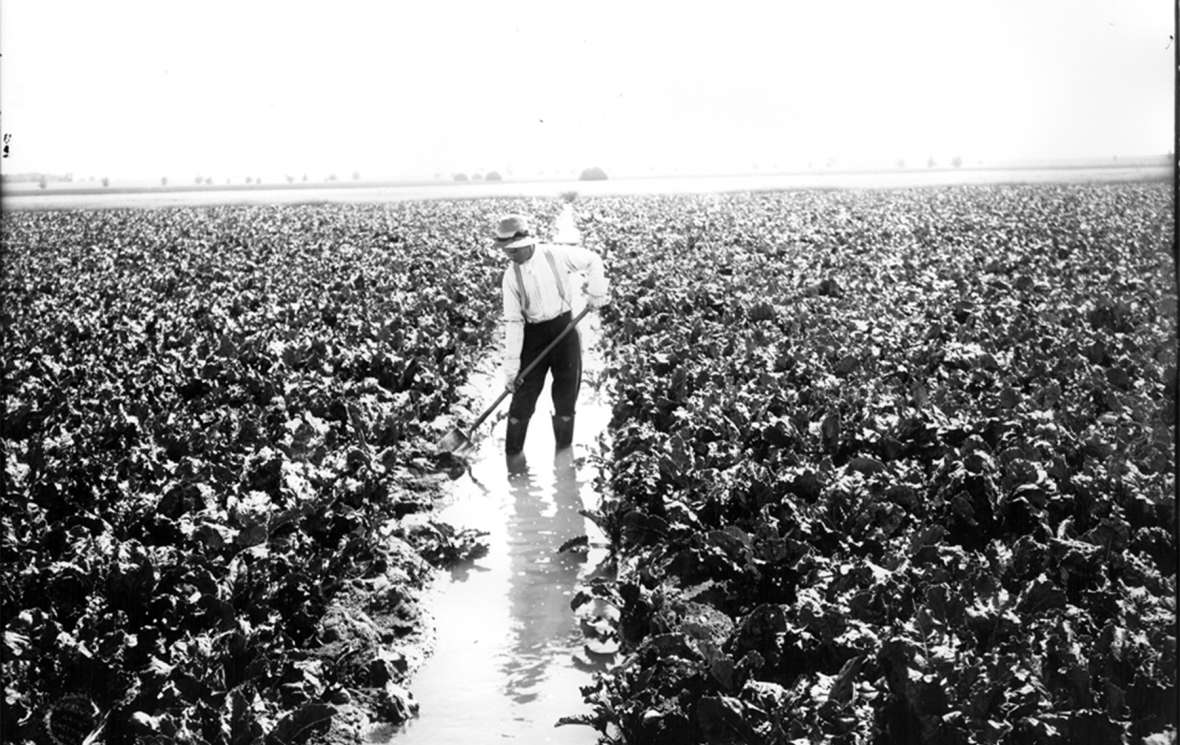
(520, 254)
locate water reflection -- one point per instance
(541, 579)
(508, 662)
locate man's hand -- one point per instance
(597, 302)
(510, 382)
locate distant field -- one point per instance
(28, 196)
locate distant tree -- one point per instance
(901, 162)
(209, 181)
(438, 177)
(493, 176)
(356, 175)
(290, 179)
(198, 181)
(42, 182)
(594, 173)
(460, 176)
(163, 181)
(305, 178)
(957, 161)
(477, 177)
(331, 177)
(249, 180)
(930, 163)
(106, 181)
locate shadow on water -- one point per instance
(509, 657)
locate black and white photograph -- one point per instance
(613, 373)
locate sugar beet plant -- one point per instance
(890, 467)
(209, 416)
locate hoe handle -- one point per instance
(531, 365)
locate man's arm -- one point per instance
(513, 331)
(581, 259)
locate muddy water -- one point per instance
(509, 655)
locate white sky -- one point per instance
(252, 88)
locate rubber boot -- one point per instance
(563, 431)
(514, 439)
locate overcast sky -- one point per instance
(235, 89)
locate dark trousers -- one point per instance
(564, 361)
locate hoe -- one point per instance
(459, 444)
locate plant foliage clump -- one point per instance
(214, 419)
(890, 467)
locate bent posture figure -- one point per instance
(538, 298)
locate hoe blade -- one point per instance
(454, 442)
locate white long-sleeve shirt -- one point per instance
(542, 299)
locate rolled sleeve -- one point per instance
(513, 330)
(513, 343)
(582, 259)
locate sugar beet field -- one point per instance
(887, 466)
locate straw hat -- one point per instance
(513, 232)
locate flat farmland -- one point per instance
(884, 466)
(145, 195)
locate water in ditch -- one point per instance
(510, 655)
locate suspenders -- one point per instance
(524, 298)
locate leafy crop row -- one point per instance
(890, 466)
(211, 416)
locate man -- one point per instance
(538, 298)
